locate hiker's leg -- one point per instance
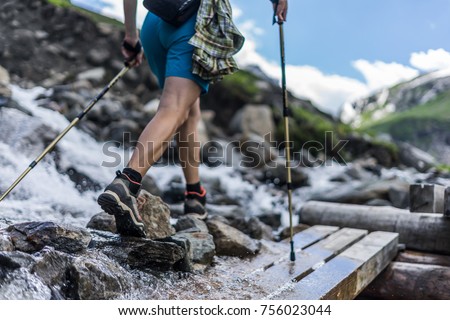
(178, 97)
(189, 146)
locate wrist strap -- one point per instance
(136, 49)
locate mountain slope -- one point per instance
(417, 111)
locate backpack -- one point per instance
(175, 12)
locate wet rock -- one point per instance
(33, 236)
(125, 132)
(82, 181)
(95, 277)
(6, 242)
(20, 284)
(51, 267)
(155, 215)
(103, 221)
(256, 119)
(416, 158)
(201, 246)
(10, 261)
(190, 224)
(231, 242)
(5, 91)
(138, 252)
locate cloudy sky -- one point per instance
(338, 50)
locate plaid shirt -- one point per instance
(216, 40)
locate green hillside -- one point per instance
(415, 122)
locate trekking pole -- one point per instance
(70, 126)
(286, 114)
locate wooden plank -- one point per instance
(423, 258)
(419, 231)
(345, 276)
(411, 281)
(284, 272)
(426, 198)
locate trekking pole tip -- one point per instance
(292, 251)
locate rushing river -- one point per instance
(47, 195)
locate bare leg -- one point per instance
(189, 146)
(178, 97)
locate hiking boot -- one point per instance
(194, 204)
(117, 200)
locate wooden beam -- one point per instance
(283, 273)
(422, 231)
(427, 198)
(423, 258)
(402, 280)
(345, 276)
(447, 203)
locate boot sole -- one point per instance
(125, 221)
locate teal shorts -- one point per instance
(167, 49)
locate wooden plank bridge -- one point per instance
(331, 263)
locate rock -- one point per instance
(14, 260)
(175, 191)
(252, 227)
(155, 215)
(95, 75)
(20, 284)
(190, 224)
(256, 151)
(33, 236)
(231, 242)
(6, 243)
(201, 246)
(416, 158)
(138, 252)
(253, 119)
(102, 221)
(5, 91)
(95, 277)
(276, 173)
(227, 211)
(286, 232)
(98, 56)
(51, 267)
(272, 219)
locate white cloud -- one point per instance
(327, 91)
(431, 60)
(380, 74)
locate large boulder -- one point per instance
(230, 241)
(256, 119)
(33, 236)
(138, 252)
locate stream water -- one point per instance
(47, 195)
